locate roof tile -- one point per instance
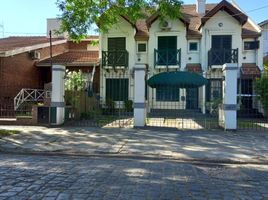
(73, 58)
(12, 43)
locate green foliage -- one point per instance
(5, 133)
(74, 84)
(79, 16)
(266, 66)
(128, 105)
(261, 87)
(214, 105)
(110, 104)
(93, 114)
(74, 81)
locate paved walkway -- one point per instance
(64, 178)
(199, 145)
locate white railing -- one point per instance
(30, 95)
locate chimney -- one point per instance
(201, 7)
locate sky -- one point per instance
(28, 17)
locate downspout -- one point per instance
(90, 87)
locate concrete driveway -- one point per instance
(216, 146)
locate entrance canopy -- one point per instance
(181, 79)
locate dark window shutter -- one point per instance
(117, 89)
(118, 43)
(221, 42)
(167, 42)
(227, 42)
(251, 45)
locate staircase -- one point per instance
(30, 95)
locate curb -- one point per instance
(207, 161)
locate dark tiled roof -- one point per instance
(193, 22)
(12, 43)
(250, 70)
(142, 30)
(73, 58)
(248, 31)
(194, 67)
(227, 7)
(263, 22)
(189, 12)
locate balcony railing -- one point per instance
(114, 59)
(222, 56)
(167, 57)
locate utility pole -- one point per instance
(50, 42)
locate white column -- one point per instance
(203, 88)
(203, 108)
(57, 97)
(228, 113)
(139, 96)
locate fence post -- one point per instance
(228, 110)
(139, 96)
(57, 106)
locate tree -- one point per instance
(261, 87)
(79, 16)
(74, 84)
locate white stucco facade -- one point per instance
(265, 38)
(219, 24)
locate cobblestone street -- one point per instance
(53, 177)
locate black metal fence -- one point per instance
(181, 108)
(186, 108)
(251, 112)
(111, 106)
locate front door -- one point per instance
(116, 49)
(167, 50)
(192, 98)
(221, 46)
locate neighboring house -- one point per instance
(25, 63)
(264, 26)
(201, 41)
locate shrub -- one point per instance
(261, 87)
(128, 105)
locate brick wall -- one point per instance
(78, 46)
(19, 71)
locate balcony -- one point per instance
(115, 59)
(218, 57)
(167, 58)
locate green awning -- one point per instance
(181, 79)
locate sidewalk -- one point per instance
(216, 146)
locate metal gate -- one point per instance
(106, 103)
(251, 113)
(186, 108)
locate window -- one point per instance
(214, 90)
(167, 50)
(167, 94)
(117, 89)
(193, 46)
(251, 45)
(142, 47)
(115, 44)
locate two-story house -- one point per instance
(264, 26)
(201, 41)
